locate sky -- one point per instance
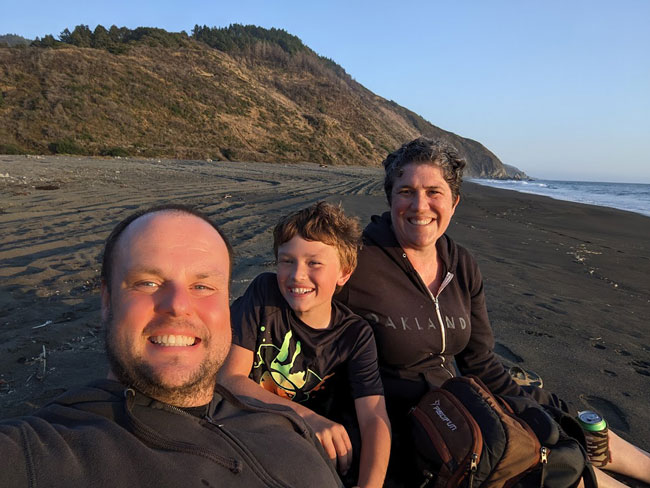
(559, 89)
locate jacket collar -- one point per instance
(100, 394)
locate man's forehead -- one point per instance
(170, 231)
(171, 221)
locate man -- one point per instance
(158, 420)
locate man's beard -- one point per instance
(136, 373)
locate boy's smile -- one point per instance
(308, 274)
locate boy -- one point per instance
(304, 349)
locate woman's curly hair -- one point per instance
(425, 151)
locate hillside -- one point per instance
(8, 40)
(241, 93)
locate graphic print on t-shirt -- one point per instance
(284, 371)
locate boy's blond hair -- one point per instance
(326, 223)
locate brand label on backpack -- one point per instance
(440, 413)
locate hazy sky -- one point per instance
(560, 89)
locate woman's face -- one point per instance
(421, 206)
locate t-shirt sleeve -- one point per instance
(245, 315)
(363, 369)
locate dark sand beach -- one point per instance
(567, 284)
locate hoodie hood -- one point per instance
(379, 232)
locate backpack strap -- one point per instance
(589, 476)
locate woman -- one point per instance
(423, 295)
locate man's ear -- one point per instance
(106, 302)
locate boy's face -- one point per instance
(308, 274)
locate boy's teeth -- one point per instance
(300, 291)
(173, 340)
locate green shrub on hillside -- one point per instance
(116, 152)
(274, 46)
(176, 109)
(81, 36)
(229, 154)
(155, 37)
(9, 40)
(237, 37)
(47, 41)
(114, 40)
(66, 146)
(11, 149)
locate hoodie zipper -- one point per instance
(255, 466)
(252, 462)
(159, 441)
(443, 333)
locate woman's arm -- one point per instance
(334, 438)
(375, 440)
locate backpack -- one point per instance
(563, 435)
(466, 436)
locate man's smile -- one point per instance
(174, 340)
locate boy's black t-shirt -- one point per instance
(319, 368)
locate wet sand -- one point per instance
(567, 284)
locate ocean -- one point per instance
(633, 197)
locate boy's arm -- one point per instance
(375, 440)
(334, 438)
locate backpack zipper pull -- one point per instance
(473, 466)
(544, 451)
(428, 476)
(473, 463)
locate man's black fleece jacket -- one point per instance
(107, 435)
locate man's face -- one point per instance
(167, 312)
